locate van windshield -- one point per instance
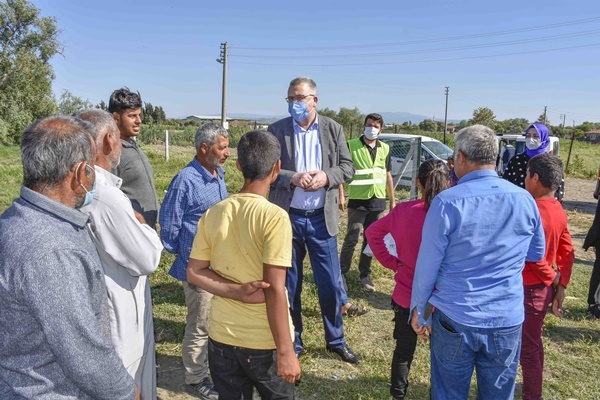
(439, 149)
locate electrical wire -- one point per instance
(420, 61)
(424, 41)
(425, 51)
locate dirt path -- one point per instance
(578, 201)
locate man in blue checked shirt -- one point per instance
(476, 238)
(199, 185)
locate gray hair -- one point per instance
(302, 79)
(50, 147)
(100, 121)
(207, 133)
(478, 144)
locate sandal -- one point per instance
(356, 311)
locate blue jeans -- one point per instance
(310, 233)
(236, 370)
(457, 349)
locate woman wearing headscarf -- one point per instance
(537, 140)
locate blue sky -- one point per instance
(360, 53)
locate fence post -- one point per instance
(167, 145)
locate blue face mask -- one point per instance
(89, 195)
(298, 110)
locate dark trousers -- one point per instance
(358, 220)
(235, 371)
(406, 343)
(594, 291)
(310, 233)
(536, 301)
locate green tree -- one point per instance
(102, 105)
(27, 43)
(328, 112)
(516, 125)
(483, 116)
(428, 125)
(541, 120)
(148, 114)
(69, 103)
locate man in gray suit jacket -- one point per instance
(314, 161)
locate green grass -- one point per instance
(572, 344)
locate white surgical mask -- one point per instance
(533, 143)
(371, 132)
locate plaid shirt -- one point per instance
(191, 192)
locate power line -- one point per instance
(420, 61)
(423, 41)
(444, 49)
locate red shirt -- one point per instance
(559, 248)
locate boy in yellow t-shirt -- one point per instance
(240, 254)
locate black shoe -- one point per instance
(346, 354)
(594, 309)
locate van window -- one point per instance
(438, 148)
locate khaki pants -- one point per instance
(195, 340)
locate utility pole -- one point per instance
(446, 114)
(571, 145)
(545, 107)
(223, 60)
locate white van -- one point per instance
(400, 146)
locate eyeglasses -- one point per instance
(300, 97)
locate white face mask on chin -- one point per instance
(371, 132)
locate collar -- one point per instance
(314, 126)
(362, 139)
(204, 172)
(127, 143)
(111, 178)
(55, 208)
(478, 174)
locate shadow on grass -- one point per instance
(353, 386)
(586, 207)
(170, 377)
(171, 383)
(584, 262)
(568, 334)
(168, 331)
(168, 293)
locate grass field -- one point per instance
(572, 344)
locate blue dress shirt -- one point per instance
(191, 192)
(476, 238)
(308, 154)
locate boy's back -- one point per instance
(239, 235)
(559, 248)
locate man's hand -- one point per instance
(342, 198)
(319, 180)
(288, 367)
(556, 280)
(557, 301)
(252, 292)
(422, 331)
(137, 393)
(139, 217)
(301, 179)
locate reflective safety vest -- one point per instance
(370, 176)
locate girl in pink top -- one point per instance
(405, 223)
